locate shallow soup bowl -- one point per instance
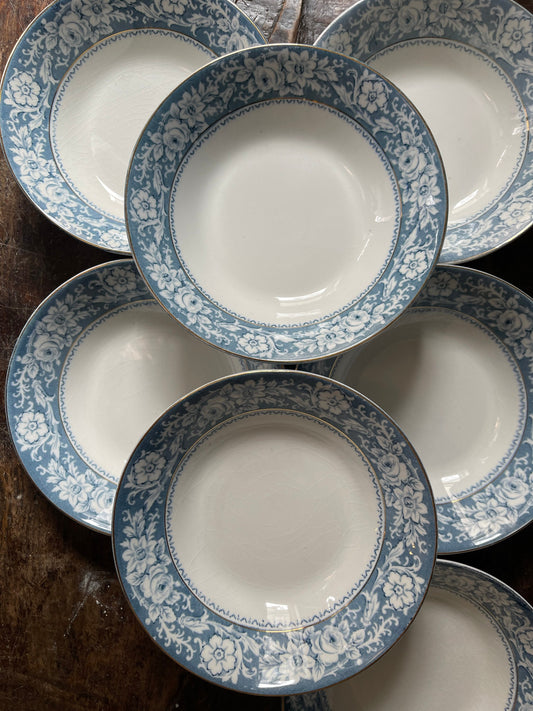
(94, 365)
(274, 207)
(274, 532)
(455, 373)
(468, 69)
(78, 87)
(470, 647)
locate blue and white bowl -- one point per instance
(286, 203)
(471, 645)
(274, 532)
(79, 86)
(468, 67)
(95, 364)
(456, 373)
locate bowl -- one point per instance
(274, 532)
(285, 203)
(455, 373)
(79, 86)
(467, 67)
(470, 644)
(94, 365)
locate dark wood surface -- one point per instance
(68, 639)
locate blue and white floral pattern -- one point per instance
(48, 48)
(32, 385)
(511, 614)
(253, 660)
(307, 74)
(32, 388)
(503, 505)
(499, 29)
(500, 508)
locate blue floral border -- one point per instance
(500, 29)
(286, 72)
(273, 662)
(49, 46)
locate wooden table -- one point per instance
(68, 639)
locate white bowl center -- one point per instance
(103, 103)
(122, 373)
(452, 387)
(474, 112)
(452, 658)
(275, 520)
(285, 213)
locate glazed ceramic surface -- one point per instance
(274, 532)
(455, 372)
(470, 647)
(81, 83)
(468, 68)
(305, 151)
(94, 366)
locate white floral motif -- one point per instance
(175, 137)
(190, 108)
(331, 400)
(256, 345)
(98, 13)
(147, 471)
(59, 319)
(515, 490)
(25, 91)
(297, 661)
(393, 468)
(139, 554)
(46, 349)
(175, 7)
(75, 489)
(300, 68)
(516, 212)
(372, 95)
(145, 205)
(32, 427)
(329, 644)
(444, 12)
(399, 589)
(120, 281)
(415, 263)
(31, 164)
(341, 42)
(517, 35)
(220, 656)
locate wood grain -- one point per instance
(68, 639)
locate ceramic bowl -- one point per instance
(455, 372)
(81, 83)
(95, 364)
(468, 68)
(285, 203)
(274, 532)
(469, 646)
